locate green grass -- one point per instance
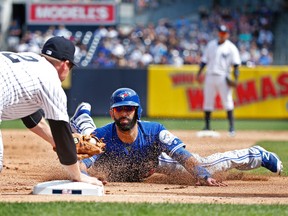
(138, 209)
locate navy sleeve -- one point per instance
(65, 146)
(32, 120)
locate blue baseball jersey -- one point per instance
(134, 161)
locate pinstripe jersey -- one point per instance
(220, 57)
(29, 82)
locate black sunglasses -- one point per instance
(125, 108)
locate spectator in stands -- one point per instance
(135, 58)
(177, 42)
(14, 35)
(161, 28)
(49, 33)
(245, 56)
(265, 57)
(146, 59)
(63, 31)
(158, 50)
(254, 52)
(117, 48)
(22, 46)
(101, 60)
(80, 51)
(101, 31)
(112, 32)
(265, 38)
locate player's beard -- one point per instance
(126, 126)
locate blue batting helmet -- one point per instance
(126, 97)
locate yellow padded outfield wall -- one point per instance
(173, 92)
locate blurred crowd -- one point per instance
(173, 42)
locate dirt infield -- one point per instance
(29, 160)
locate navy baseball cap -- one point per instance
(59, 48)
(223, 28)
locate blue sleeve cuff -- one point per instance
(181, 155)
(202, 173)
(88, 162)
(202, 65)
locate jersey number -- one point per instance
(15, 58)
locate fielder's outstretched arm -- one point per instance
(66, 151)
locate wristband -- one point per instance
(236, 71)
(202, 173)
(202, 65)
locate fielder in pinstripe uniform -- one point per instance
(30, 87)
(220, 55)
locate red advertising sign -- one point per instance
(72, 14)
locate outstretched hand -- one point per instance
(91, 180)
(211, 182)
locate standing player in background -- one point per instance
(219, 56)
(31, 83)
(136, 149)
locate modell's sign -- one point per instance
(72, 14)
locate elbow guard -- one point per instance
(32, 120)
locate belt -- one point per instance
(215, 74)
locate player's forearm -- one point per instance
(187, 159)
(42, 129)
(37, 124)
(190, 165)
(193, 167)
(65, 145)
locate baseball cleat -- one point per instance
(270, 160)
(81, 108)
(81, 118)
(206, 129)
(232, 132)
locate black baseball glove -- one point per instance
(231, 83)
